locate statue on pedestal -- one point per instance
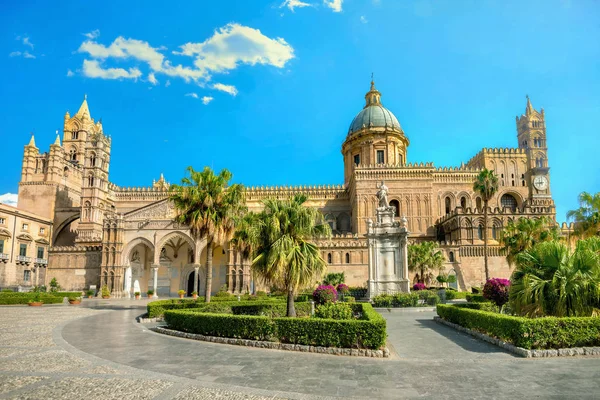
(382, 195)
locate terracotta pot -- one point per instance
(106, 297)
(75, 302)
(35, 304)
(137, 297)
(181, 296)
(195, 296)
(90, 297)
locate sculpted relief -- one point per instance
(160, 211)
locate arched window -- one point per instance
(93, 160)
(343, 223)
(401, 159)
(480, 232)
(74, 135)
(347, 258)
(329, 258)
(463, 202)
(478, 203)
(447, 203)
(494, 232)
(451, 256)
(396, 205)
(90, 180)
(73, 154)
(509, 201)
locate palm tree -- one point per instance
(424, 258)
(486, 185)
(209, 206)
(552, 280)
(587, 216)
(522, 235)
(279, 240)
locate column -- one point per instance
(196, 269)
(155, 279)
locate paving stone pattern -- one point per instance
(102, 352)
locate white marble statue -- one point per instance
(382, 195)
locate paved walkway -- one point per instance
(67, 351)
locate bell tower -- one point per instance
(531, 135)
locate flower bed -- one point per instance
(366, 332)
(7, 298)
(528, 333)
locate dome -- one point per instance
(374, 114)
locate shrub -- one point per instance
(342, 288)
(324, 294)
(223, 292)
(475, 290)
(215, 308)
(433, 300)
(334, 311)
(105, 291)
(157, 308)
(181, 292)
(271, 309)
(419, 286)
(150, 292)
(89, 292)
(349, 299)
(137, 294)
(7, 298)
(7, 291)
(496, 290)
(383, 300)
(454, 294)
(442, 278)
(476, 298)
(54, 286)
(405, 300)
(334, 279)
(479, 306)
(261, 293)
(529, 333)
(451, 279)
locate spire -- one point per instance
(529, 109)
(373, 97)
(57, 141)
(31, 141)
(83, 110)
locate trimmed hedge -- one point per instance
(7, 298)
(487, 306)
(476, 298)
(367, 332)
(157, 308)
(269, 309)
(429, 297)
(529, 333)
(453, 294)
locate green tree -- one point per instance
(425, 258)
(521, 235)
(587, 216)
(280, 242)
(486, 185)
(552, 280)
(209, 206)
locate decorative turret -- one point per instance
(57, 141)
(31, 142)
(373, 97)
(84, 111)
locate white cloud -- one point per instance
(9, 199)
(363, 19)
(291, 4)
(206, 100)
(335, 5)
(92, 69)
(93, 34)
(226, 88)
(152, 79)
(15, 54)
(125, 48)
(194, 95)
(168, 83)
(70, 73)
(26, 42)
(27, 55)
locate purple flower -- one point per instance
(419, 286)
(496, 290)
(343, 288)
(324, 294)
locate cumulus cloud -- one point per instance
(152, 79)
(9, 199)
(225, 88)
(93, 69)
(292, 4)
(168, 83)
(24, 54)
(26, 42)
(194, 95)
(93, 34)
(335, 5)
(229, 47)
(70, 73)
(206, 100)
(15, 54)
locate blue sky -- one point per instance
(283, 80)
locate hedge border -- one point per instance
(337, 351)
(568, 352)
(21, 298)
(529, 333)
(367, 332)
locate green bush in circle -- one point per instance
(334, 311)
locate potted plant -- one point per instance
(137, 295)
(181, 293)
(36, 300)
(442, 279)
(194, 295)
(89, 293)
(150, 293)
(105, 292)
(74, 300)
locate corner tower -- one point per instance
(531, 135)
(375, 137)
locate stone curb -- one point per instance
(337, 351)
(520, 351)
(143, 320)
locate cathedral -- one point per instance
(125, 237)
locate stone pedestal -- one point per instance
(388, 257)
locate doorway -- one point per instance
(190, 283)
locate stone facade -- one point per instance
(125, 237)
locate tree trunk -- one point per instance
(291, 310)
(209, 257)
(485, 240)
